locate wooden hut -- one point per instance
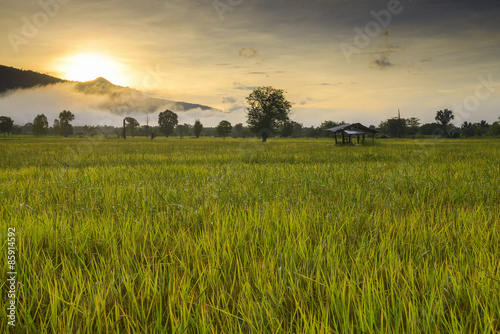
(354, 129)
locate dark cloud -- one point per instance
(382, 63)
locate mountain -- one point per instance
(13, 78)
(117, 99)
(135, 99)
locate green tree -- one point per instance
(56, 128)
(65, 117)
(237, 130)
(268, 110)
(224, 129)
(495, 128)
(467, 129)
(40, 125)
(183, 129)
(6, 125)
(482, 128)
(198, 127)
(167, 120)
(286, 130)
(444, 118)
(291, 129)
(328, 125)
(412, 126)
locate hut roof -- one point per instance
(355, 128)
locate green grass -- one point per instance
(288, 236)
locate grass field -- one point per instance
(288, 236)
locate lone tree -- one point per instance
(224, 129)
(65, 117)
(40, 125)
(167, 120)
(443, 118)
(268, 110)
(6, 125)
(197, 128)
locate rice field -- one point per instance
(238, 236)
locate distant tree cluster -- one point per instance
(268, 116)
(401, 127)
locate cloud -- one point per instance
(251, 53)
(229, 99)
(382, 63)
(305, 101)
(240, 86)
(248, 53)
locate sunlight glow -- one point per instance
(89, 66)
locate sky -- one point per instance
(339, 60)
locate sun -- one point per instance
(89, 66)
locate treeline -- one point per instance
(391, 128)
(268, 116)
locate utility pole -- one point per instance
(399, 123)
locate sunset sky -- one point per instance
(337, 59)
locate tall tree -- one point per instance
(65, 117)
(444, 118)
(224, 129)
(40, 125)
(198, 127)
(167, 120)
(268, 110)
(6, 125)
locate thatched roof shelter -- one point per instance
(353, 129)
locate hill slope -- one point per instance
(13, 78)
